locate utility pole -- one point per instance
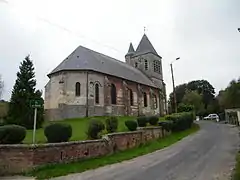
(174, 90)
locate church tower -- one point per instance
(147, 60)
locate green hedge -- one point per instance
(180, 121)
(142, 121)
(94, 128)
(153, 120)
(111, 124)
(12, 134)
(131, 125)
(58, 132)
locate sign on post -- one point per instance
(35, 104)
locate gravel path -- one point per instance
(208, 154)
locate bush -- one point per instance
(111, 124)
(58, 132)
(142, 121)
(153, 120)
(185, 108)
(131, 125)
(181, 121)
(12, 134)
(166, 125)
(94, 128)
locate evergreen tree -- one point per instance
(23, 92)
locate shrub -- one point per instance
(153, 120)
(181, 121)
(131, 125)
(12, 134)
(166, 125)
(185, 108)
(94, 128)
(142, 121)
(111, 124)
(58, 132)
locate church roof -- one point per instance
(131, 50)
(145, 46)
(83, 58)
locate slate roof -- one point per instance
(145, 46)
(83, 58)
(131, 50)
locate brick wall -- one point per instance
(18, 158)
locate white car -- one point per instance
(212, 117)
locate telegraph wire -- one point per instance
(77, 34)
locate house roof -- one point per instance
(83, 58)
(145, 46)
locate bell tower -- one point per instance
(147, 60)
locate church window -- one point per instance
(97, 93)
(145, 99)
(155, 101)
(77, 89)
(146, 64)
(136, 64)
(113, 94)
(157, 66)
(131, 97)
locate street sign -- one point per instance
(36, 103)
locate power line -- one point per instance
(77, 34)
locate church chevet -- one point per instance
(88, 83)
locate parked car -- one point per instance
(212, 117)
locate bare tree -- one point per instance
(1, 86)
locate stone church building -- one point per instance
(88, 83)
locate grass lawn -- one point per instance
(77, 167)
(79, 127)
(236, 175)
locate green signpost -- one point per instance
(35, 104)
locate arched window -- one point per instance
(145, 99)
(131, 97)
(155, 105)
(77, 89)
(113, 94)
(146, 64)
(97, 93)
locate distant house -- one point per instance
(88, 83)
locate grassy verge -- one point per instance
(79, 128)
(236, 175)
(77, 167)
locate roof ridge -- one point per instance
(83, 58)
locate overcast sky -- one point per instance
(203, 33)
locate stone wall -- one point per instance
(19, 158)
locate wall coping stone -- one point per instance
(149, 128)
(33, 146)
(123, 133)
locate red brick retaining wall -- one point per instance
(19, 158)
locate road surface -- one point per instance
(206, 155)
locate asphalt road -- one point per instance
(208, 154)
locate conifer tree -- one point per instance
(24, 90)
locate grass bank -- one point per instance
(79, 128)
(77, 167)
(236, 175)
